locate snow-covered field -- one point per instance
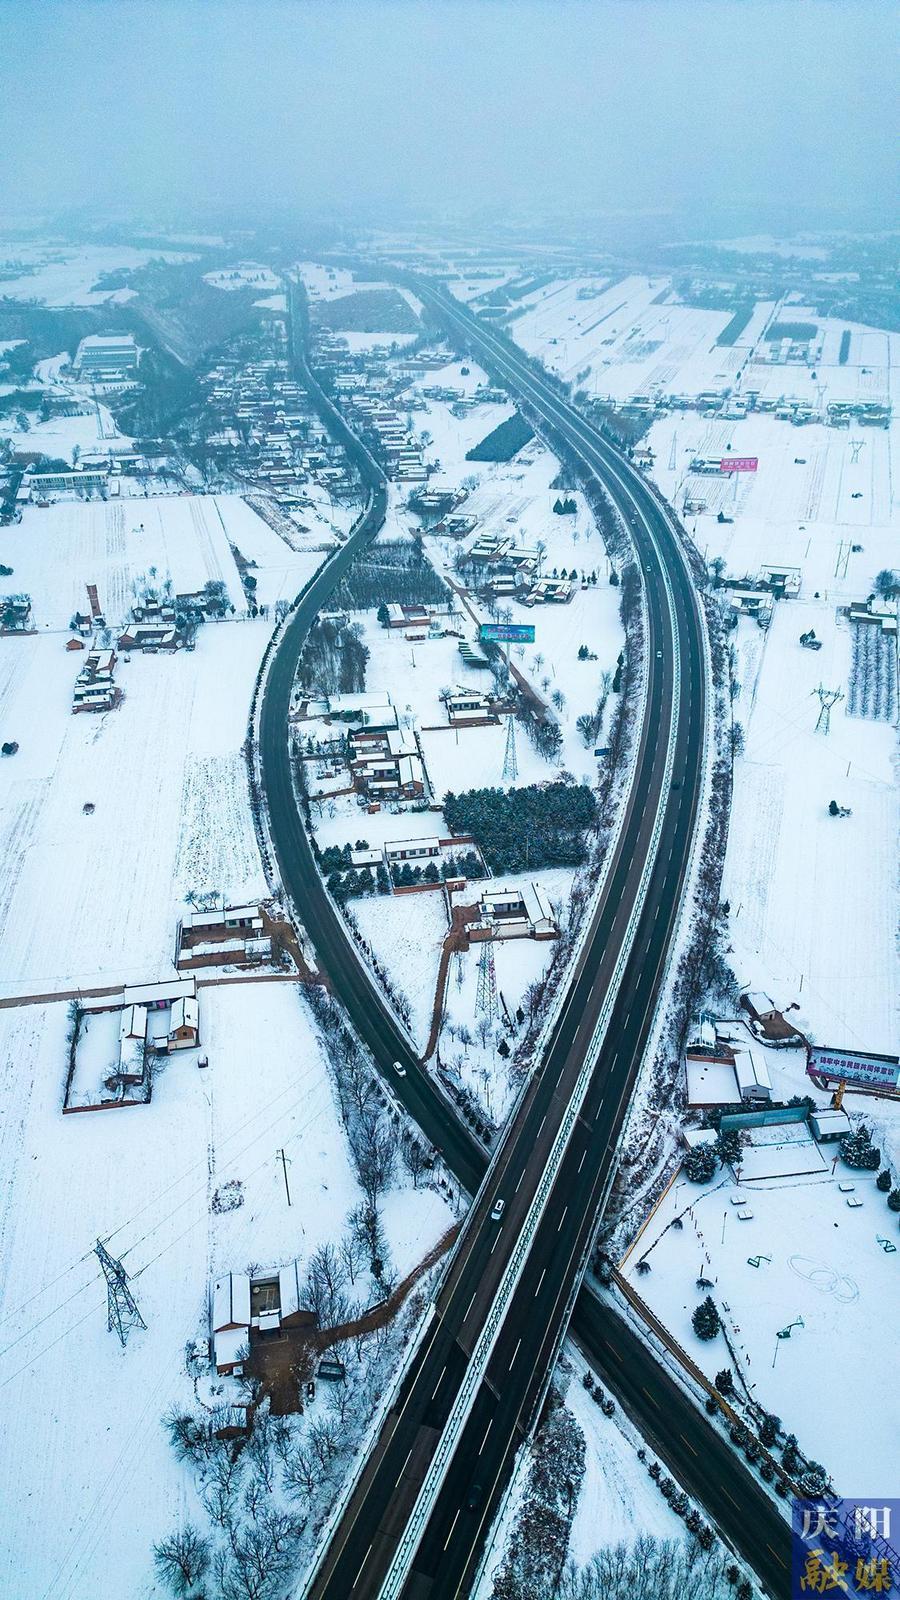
(814, 899)
(60, 437)
(614, 339)
(124, 547)
(249, 275)
(84, 1459)
(65, 275)
(825, 1265)
(90, 900)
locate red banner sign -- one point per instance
(738, 463)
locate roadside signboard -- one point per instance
(507, 632)
(877, 1072)
(738, 463)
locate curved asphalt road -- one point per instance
(524, 1352)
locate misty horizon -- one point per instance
(766, 113)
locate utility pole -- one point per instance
(284, 1166)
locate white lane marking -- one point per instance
(361, 1565)
(452, 1526)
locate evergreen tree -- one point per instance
(856, 1148)
(728, 1146)
(705, 1320)
(883, 1181)
(700, 1163)
(894, 1199)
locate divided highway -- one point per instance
(470, 1393)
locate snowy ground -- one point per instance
(90, 900)
(612, 339)
(618, 1500)
(826, 1266)
(66, 1185)
(406, 932)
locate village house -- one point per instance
(523, 913)
(246, 1309)
(412, 850)
(467, 705)
(184, 1024)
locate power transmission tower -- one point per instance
(510, 764)
(855, 445)
(486, 998)
(827, 698)
(122, 1312)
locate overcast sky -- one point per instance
(605, 105)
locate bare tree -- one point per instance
(351, 1252)
(182, 1559)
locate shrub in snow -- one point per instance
(769, 1428)
(705, 1319)
(700, 1163)
(725, 1381)
(813, 1479)
(894, 1199)
(883, 1181)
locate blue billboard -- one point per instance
(507, 632)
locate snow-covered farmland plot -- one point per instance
(85, 1467)
(87, 900)
(819, 1259)
(126, 547)
(119, 546)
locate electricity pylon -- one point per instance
(827, 698)
(122, 1312)
(510, 764)
(486, 998)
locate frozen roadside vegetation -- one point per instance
(590, 1514)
